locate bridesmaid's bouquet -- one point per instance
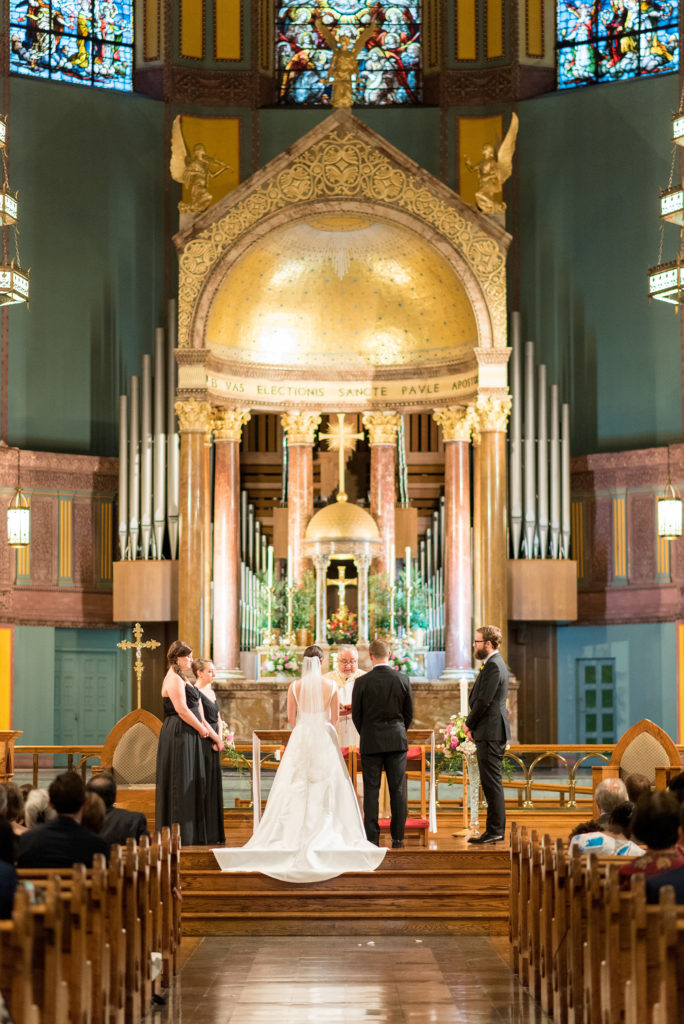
(280, 659)
(230, 753)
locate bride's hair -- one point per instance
(314, 652)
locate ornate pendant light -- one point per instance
(669, 509)
(666, 280)
(14, 282)
(19, 514)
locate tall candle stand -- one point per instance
(290, 638)
(392, 630)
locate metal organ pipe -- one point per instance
(554, 463)
(565, 481)
(134, 471)
(515, 459)
(146, 458)
(173, 438)
(159, 472)
(530, 482)
(542, 468)
(123, 475)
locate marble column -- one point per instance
(206, 572)
(492, 417)
(300, 428)
(382, 430)
(321, 563)
(456, 424)
(362, 566)
(227, 424)
(193, 423)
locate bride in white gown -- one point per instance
(312, 827)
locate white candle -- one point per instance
(269, 567)
(392, 564)
(290, 566)
(407, 557)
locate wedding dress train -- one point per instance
(312, 827)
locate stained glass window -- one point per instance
(385, 41)
(607, 40)
(89, 42)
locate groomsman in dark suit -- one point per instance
(382, 710)
(488, 726)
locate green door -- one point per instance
(596, 700)
(88, 695)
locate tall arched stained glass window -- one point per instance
(609, 40)
(88, 42)
(387, 38)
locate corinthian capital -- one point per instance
(300, 427)
(492, 413)
(193, 415)
(382, 427)
(456, 422)
(228, 423)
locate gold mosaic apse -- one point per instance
(341, 290)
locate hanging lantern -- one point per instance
(666, 282)
(14, 284)
(678, 128)
(19, 520)
(3, 132)
(672, 205)
(669, 514)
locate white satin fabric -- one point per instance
(312, 827)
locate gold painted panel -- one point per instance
(192, 28)
(227, 29)
(466, 30)
(494, 29)
(151, 35)
(534, 28)
(220, 137)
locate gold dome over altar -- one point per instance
(342, 522)
(341, 290)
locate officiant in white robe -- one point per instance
(343, 676)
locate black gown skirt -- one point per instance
(181, 775)
(212, 770)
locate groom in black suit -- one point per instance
(382, 710)
(487, 725)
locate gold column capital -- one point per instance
(300, 427)
(457, 422)
(228, 423)
(492, 413)
(382, 427)
(193, 415)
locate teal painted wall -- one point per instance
(34, 683)
(645, 661)
(89, 167)
(416, 132)
(591, 164)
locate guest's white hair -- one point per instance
(37, 808)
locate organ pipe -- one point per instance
(542, 467)
(123, 475)
(146, 458)
(515, 461)
(529, 446)
(565, 481)
(134, 472)
(173, 438)
(159, 472)
(554, 460)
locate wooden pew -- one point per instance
(16, 961)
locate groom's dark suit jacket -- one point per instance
(488, 718)
(382, 710)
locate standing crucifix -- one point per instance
(341, 440)
(342, 582)
(138, 645)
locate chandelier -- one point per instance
(14, 282)
(669, 509)
(19, 514)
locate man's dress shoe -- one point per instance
(397, 844)
(486, 837)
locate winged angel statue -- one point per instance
(193, 171)
(493, 169)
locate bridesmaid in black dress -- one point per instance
(204, 672)
(181, 777)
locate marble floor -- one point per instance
(347, 980)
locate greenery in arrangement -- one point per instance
(419, 603)
(229, 753)
(304, 602)
(454, 746)
(342, 627)
(403, 659)
(280, 659)
(378, 603)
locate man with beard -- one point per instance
(488, 727)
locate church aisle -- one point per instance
(348, 980)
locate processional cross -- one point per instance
(138, 645)
(341, 440)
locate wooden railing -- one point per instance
(80, 945)
(84, 752)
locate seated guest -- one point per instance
(15, 807)
(119, 824)
(8, 876)
(608, 795)
(37, 808)
(676, 786)
(636, 785)
(610, 841)
(675, 878)
(93, 816)
(63, 842)
(655, 824)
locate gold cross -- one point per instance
(138, 645)
(340, 440)
(342, 582)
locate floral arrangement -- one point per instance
(342, 627)
(281, 659)
(403, 659)
(453, 746)
(229, 752)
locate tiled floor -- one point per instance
(348, 980)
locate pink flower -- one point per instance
(454, 742)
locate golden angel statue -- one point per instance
(493, 169)
(193, 170)
(343, 65)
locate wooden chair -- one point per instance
(643, 749)
(130, 754)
